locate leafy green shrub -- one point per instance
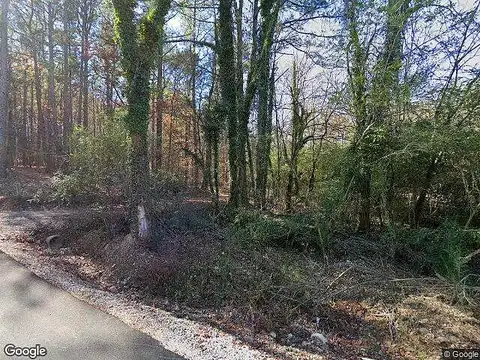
(455, 150)
(99, 165)
(258, 280)
(69, 187)
(296, 231)
(443, 251)
(165, 182)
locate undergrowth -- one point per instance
(99, 165)
(269, 284)
(448, 252)
(99, 169)
(273, 264)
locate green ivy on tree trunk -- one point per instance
(139, 41)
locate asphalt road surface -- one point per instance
(33, 312)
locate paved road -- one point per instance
(34, 312)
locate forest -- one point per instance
(318, 156)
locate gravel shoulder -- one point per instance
(182, 336)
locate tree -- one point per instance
(139, 44)
(371, 102)
(108, 59)
(4, 85)
(454, 96)
(357, 61)
(86, 16)
(227, 80)
(269, 10)
(238, 102)
(301, 119)
(51, 128)
(67, 118)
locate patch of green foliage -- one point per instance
(443, 251)
(271, 284)
(164, 182)
(99, 165)
(256, 227)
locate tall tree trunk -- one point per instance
(193, 80)
(11, 139)
(51, 121)
(158, 158)
(109, 90)
(31, 127)
(216, 164)
(207, 171)
(297, 138)
(245, 103)
(4, 86)
(242, 125)
(85, 97)
(383, 90)
(67, 117)
(271, 102)
(87, 11)
(139, 46)
(263, 137)
(211, 130)
(23, 141)
(269, 13)
(137, 121)
(170, 132)
(357, 80)
(278, 177)
(186, 145)
(40, 116)
(227, 79)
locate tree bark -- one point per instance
(40, 118)
(87, 11)
(139, 46)
(193, 80)
(242, 124)
(269, 13)
(227, 79)
(51, 123)
(4, 86)
(11, 138)
(67, 80)
(23, 140)
(158, 161)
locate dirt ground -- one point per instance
(357, 307)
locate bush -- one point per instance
(264, 283)
(69, 187)
(99, 165)
(299, 231)
(443, 251)
(164, 182)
